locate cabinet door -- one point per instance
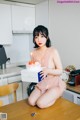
(77, 98)
(25, 86)
(68, 95)
(5, 24)
(23, 18)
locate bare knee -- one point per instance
(31, 101)
(40, 104)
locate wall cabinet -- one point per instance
(23, 18)
(5, 24)
(16, 18)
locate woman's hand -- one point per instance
(44, 73)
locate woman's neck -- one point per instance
(42, 48)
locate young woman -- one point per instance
(51, 87)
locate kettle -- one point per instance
(3, 57)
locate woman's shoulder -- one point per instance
(53, 49)
(34, 52)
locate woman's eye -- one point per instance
(36, 37)
(42, 36)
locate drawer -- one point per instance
(78, 100)
(12, 79)
(68, 95)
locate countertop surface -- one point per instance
(10, 71)
(75, 89)
(61, 110)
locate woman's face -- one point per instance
(40, 40)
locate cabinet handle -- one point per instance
(78, 97)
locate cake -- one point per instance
(32, 72)
(33, 66)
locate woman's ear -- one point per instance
(47, 38)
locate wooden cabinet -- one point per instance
(5, 24)
(23, 18)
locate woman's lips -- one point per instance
(40, 43)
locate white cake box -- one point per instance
(30, 76)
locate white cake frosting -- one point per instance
(34, 67)
(32, 72)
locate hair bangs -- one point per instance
(37, 33)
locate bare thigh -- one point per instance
(49, 97)
(34, 96)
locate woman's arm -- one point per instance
(54, 71)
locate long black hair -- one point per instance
(40, 29)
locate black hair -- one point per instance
(40, 29)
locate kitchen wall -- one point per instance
(64, 27)
(42, 13)
(19, 51)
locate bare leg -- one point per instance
(34, 96)
(49, 98)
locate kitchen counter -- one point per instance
(10, 72)
(75, 89)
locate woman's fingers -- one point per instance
(42, 75)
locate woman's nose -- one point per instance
(39, 38)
